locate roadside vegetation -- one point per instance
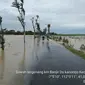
(77, 52)
(65, 42)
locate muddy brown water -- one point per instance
(15, 57)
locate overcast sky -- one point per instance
(61, 14)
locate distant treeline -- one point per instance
(70, 34)
(13, 32)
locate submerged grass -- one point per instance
(79, 53)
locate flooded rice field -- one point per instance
(75, 41)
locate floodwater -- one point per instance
(16, 57)
(75, 41)
(36, 55)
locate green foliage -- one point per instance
(53, 33)
(65, 40)
(80, 53)
(13, 32)
(60, 38)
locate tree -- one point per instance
(44, 31)
(0, 20)
(33, 25)
(48, 31)
(48, 28)
(21, 11)
(37, 24)
(2, 35)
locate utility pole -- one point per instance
(21, 18)
(2, 35)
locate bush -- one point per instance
(65, 41)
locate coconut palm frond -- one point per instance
(48, 25)
(19, 18)
(0, 19)
(23, 11)
(16, 4)
(37, 16)
(32, 18)
(22, 1)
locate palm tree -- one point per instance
(48, 31)
(2, 35)
(33, 25)
(48, 28)
(0, 20)
(37, 16)
(48, 25)
(1, 26)
(21, 11)
(38, 24)
(1, 23)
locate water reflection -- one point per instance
(24, 52)
(48, 47)
(37, 48)
(43, 43)
(2, 64)
(18, 79)
(38, 41)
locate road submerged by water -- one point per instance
(47, 59)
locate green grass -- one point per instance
(79, 53)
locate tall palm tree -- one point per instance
(21, 11)
(0, 24)
(37, 16)
(38, 24)
(48, 34)
(33, 25)
(48, 28)
(0, 20)
(2, 35)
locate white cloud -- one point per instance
(60, 13)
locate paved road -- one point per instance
(52, 56)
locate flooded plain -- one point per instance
(16, 57)
(75, 41)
